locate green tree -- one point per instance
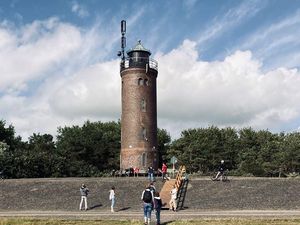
(40, 158)
(90, 149)
(230, 147)
(163, 140)
(199, 149)
(11, 151)
(270, 146)
(250, 161)
(291, 153)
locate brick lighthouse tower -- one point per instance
(139, 107)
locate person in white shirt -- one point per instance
(173, 203)
(112, 198)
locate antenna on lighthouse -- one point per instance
(123, 26)
(123, 42)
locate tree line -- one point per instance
(93, 149)
(245, 151)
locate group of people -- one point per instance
(150, 197)
(163, 172)
(151, 201)
(84, 191)
(135, 171)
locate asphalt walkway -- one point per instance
(166, 215)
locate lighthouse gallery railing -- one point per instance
(139, 62)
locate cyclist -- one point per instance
(221, 170)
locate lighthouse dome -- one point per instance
(139, 51)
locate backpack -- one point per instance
(147, 197)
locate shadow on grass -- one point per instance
(180, 209)
(95, 206)
(124, 209)
(169, 222)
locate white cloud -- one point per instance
(234, 92)
(275, 43)
(28, 53)
(91, 92)
(44, 61)
(52, 74)
(232, 18)
(274, 30)
(79, 10)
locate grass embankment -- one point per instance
(135, 222)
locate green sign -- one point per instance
(173, 160)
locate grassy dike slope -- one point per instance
(203, 194)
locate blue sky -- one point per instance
(225, 63)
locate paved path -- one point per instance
(166, 215)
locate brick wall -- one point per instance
(139, 118)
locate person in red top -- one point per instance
(136, 171)
(164, 169)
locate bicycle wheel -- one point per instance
(225, 178)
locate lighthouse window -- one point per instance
(144, 133)
(140, 82)
(143, 105)
(144, 159)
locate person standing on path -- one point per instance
(148, 204)
(112, 198)
(84, 193)
(157, 205)
(150, 174)
(136, 171)
(173, 203)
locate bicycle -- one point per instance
(221, 177)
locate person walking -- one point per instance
(152, 188)
(84, 193)
(157, 207)
(112, 198)
(173, 203)
(148, 204)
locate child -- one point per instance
(157, 206)
(112, 198)
(172, 202)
